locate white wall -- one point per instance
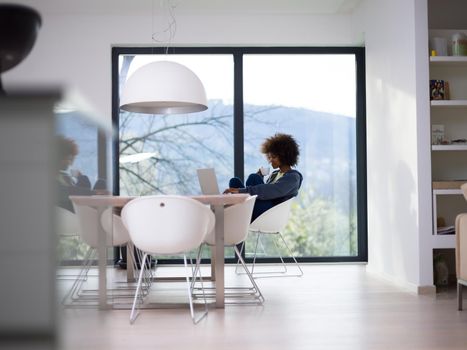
(399, 204)
(74, 49)
(424, 146)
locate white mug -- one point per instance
(74, 172)
(264, 170)
(440, 45)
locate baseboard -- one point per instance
(426, 290)
(407, 286)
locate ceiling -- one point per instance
(194, 6)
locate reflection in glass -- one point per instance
(78, 153)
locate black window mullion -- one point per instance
(239, 158)
(362, 233)
(238, 117)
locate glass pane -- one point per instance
(313, 98)
(79, 153)
(159, 154)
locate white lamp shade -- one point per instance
(163, 87)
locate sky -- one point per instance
(320, 82)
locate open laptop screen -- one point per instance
(208, 181)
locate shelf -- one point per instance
(448, 61)
(449, 147)
(447, 191)
(448, 103)
(443, 241)
(448, 184)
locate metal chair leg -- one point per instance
(82, 275)
(133, 315)
(146, 280)
(255, 254)
(190, 298)
(280, 256)
(197, 267)
(252, 280)
(291, 254)
(272, 273)
(459, 295)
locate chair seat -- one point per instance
(273, 221)
(167, 225)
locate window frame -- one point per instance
(237, 54)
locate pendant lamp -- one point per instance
(163, 87)
(19, 26)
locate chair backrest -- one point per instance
(237, 220)
(461, 246)
(66, 222)
(166, 224)
(114, 228)
(464, 190)
(273, 220)
(88, 221)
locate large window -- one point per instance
(315, 94)
(312, 97)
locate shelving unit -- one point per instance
(447, 160)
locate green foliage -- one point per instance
(316, 227)
(71, 248)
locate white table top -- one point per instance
(120, 201)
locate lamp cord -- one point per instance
(170, 30)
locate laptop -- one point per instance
(208, 181)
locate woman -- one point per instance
(75, 184)
(282, 153)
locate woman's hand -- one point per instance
(231, 190)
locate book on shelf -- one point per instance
(439, 89)
(446, 230)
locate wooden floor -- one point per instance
(330, 307)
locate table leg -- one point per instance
(219, 256)
(130, 250)
(213, 263)
(102, 262)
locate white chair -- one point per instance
(461, 251)
(115, 235)
(66, 222)
(167, 225)
(461, 256)
(273, 222)
(236, 224)
(66, 227)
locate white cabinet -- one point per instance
(27, 234)
(449, 161)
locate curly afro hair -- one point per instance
(66, 147)
(282, 146)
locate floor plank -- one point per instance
(330, 307)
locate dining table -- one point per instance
(217, 202)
